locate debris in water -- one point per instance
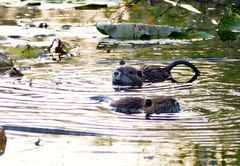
(37, 143)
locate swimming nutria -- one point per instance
(130, 76)
(160, 105)
(133, 105)
(128, 105)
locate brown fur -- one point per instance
(154, 73)
(130, 76)
(161, 105)
(127, 76)
(131, 105)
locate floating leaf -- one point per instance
(137, 30)
(21, 52)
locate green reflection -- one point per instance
(104, 141)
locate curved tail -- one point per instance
(179, 62)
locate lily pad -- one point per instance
(21, 52)
(137, 30)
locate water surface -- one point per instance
(56, 97)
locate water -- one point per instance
(55, 98)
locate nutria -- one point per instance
(130, 76)
(160, 105)
(133, 105)
(128, 105)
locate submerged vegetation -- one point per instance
(23, 52)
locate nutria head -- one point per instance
(161, 105)
(127, 76)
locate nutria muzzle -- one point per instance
(127, 76)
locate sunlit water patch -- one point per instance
(53, 102)
(59, 99)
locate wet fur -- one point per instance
(128, 105)
(130, 76)
(127, 76)
(161, 105)
(133, 105)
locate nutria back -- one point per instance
(128, 105)
(161, 105)
(133, 105)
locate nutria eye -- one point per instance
(148, 103)
(130, 72)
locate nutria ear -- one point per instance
(139, 73)
(148, 103)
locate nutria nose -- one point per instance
(116, 73)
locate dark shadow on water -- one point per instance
(51, 131)
(169, 117)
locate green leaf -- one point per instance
(229, 27)
(21, 52)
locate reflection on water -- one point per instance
(56, 97)
(3, 141)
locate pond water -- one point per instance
(56, 97)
